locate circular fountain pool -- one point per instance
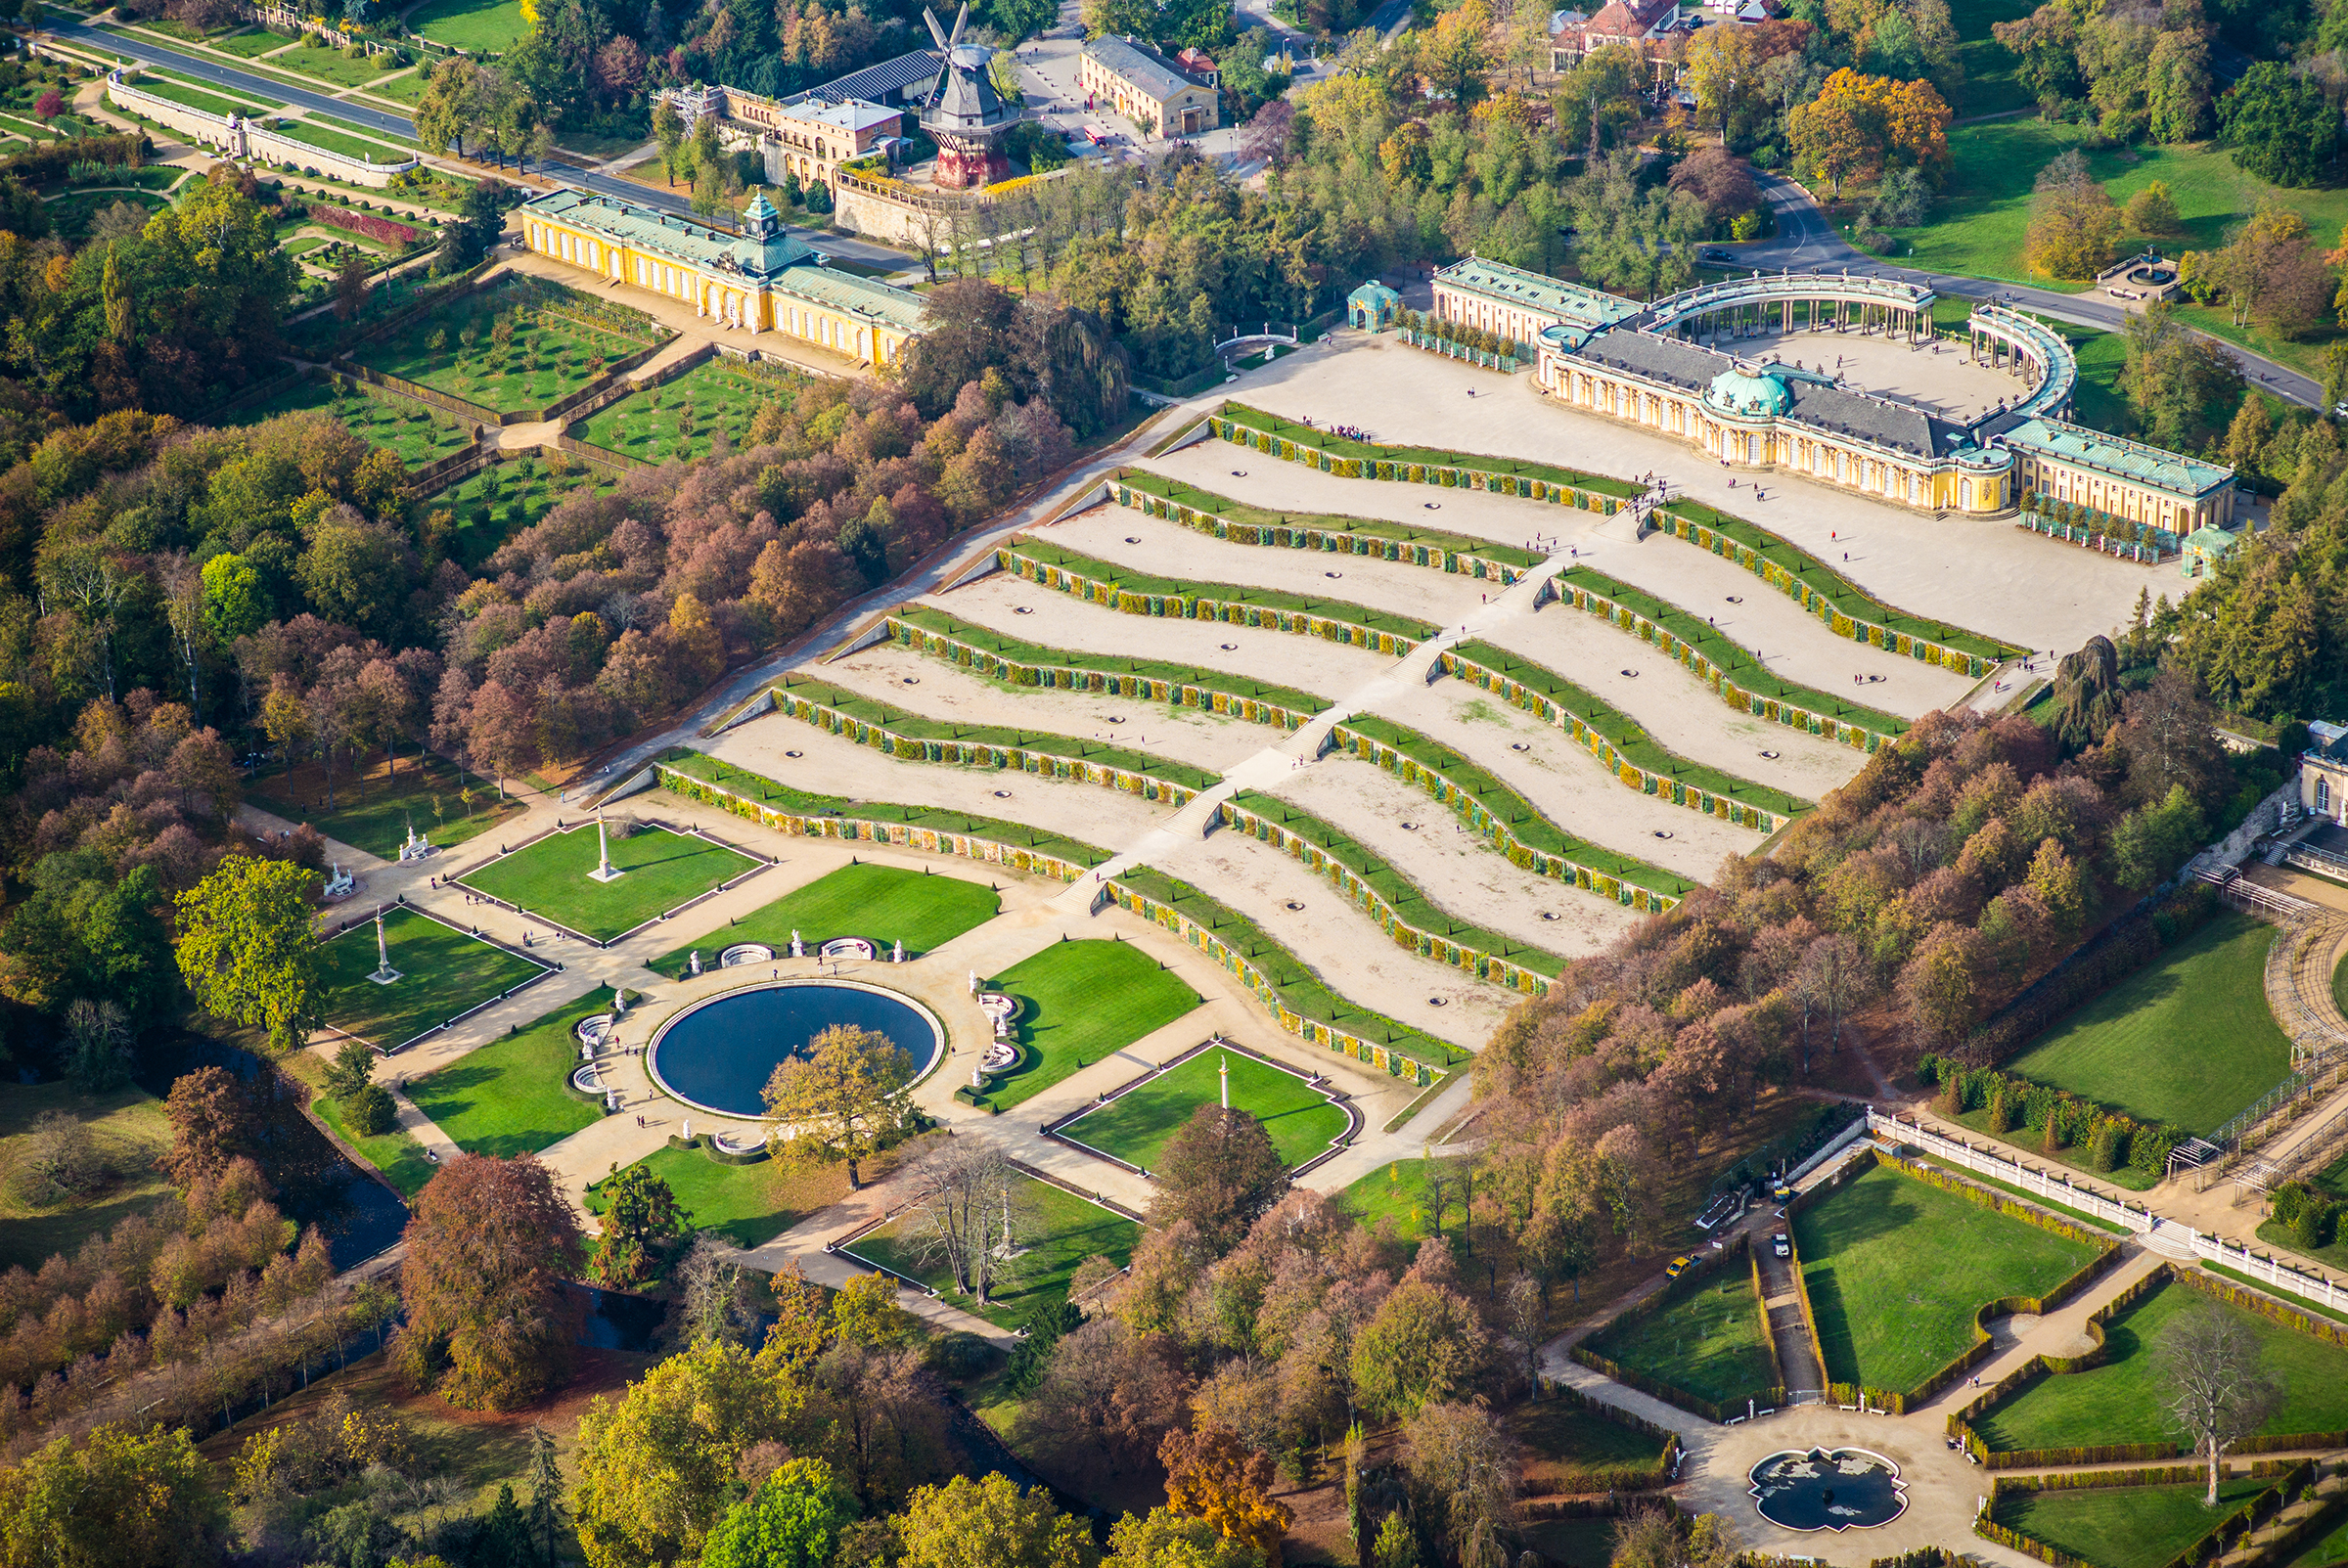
(718, 1054)
(1840, 1489)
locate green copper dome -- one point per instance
(1741, 391)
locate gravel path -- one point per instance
(1675, 709)
(1166, 549)
(832, 765)
(1569, 784)
(1306, 664)
(1462, 873)
(946, 692)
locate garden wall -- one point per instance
(241, 139)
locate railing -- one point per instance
(2323, 862)
(1865, 290)
(2267, 1271)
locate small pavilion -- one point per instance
(2203, 548)
(1372, 306)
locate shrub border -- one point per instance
(2241, 1522)
(1707, 1263)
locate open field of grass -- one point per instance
(492, 25)
(1896, 1270)
(330, 66)
(73, 213)
(2188, 1040)
(2331, 1549)
(1080, 1001)
(415, 434)
(2121, 1401)
(443, 973)
(373, 809)
(1398, 1192)
(2123, 1527)
(508, 1097)
(749, 1204)
(1059, 1230)
(1989, 82)
(397, 1153)
(660, 871)
(407, 89)
(129, 1130)
(253, 45)
(1707, 1341)
(680, 418)
(1137, 1123)
(882, 904)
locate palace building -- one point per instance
(1656, 365)
(1172, 97)
(809, 135)
(758, 280)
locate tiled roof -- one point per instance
(1143, 68)
(664, 234)
(1548, 296)
(2116, 456)
(868, 298)
(1812, 400)
(1658, 358)
(850, 114)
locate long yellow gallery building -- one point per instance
(758, 280)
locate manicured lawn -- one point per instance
(253, 45)
(749, 1204)
(1896, 1270)
(2120, 1400)
(2284, 1239)
(395, 1153)
(1137, 1123)
(1059, 1230)
(492, 25)
(375, 810)
(1570, 1447)
(1082, 1000)
(2332, 1548)
(313, 134)
(443, 973)
(407, 89)
(508, 1098)
(2124, 1527)
(1398, 1192)
(549, 357)
(660, 870)
(503, 499)
(198, 98)
(882, 904)
(1707, 1341)
(329, 66)
(677, 420)
(129, 1130)
(416, 434)
(2334, 1178)
(2188, 1040)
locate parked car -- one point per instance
(1782, 1244)
(1782, 1192)
(1725, 257)
(1677, 1267)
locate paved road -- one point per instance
(376, 119)
(1806, 241)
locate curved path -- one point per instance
(1805, 240)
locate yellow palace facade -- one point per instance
(758, 280)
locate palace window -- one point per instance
(2322, 794)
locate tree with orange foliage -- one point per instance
(1211, 1475)
(489, 1244)
(1860, 125)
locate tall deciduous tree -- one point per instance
(2073, 224)
(960, 1212)
(841, 1101)
(642, 1225)
(1219, 1172)
(1468, 1466)
(247, 948)
(489, 1244)
(1424, 1344)
(1213, 1475)
(115, 1499)
(987, 1521)
(2213, 1388)
(792, 1521)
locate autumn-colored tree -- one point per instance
(1219, 1172)
(115, 1499)
(248, 951)
(841, 1100)
(2153, 210)
(2073, 224)
(658, 1470)
(1211, 1475)
(1858, 125)
(1940, 986)
(1426, 1343)
(1466, 1465)
(213, 1122)
(489, 1244)
(988, 1521)
(865, 1313)
(1164, 1538)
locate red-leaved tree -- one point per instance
(489, 1244)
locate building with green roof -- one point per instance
(758, 280)
(2111, 473)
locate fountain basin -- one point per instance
(718, 1054)
(1828, 1489)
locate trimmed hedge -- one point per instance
(1697, 1273)
(2261, 1507)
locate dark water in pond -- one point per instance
(315, 1184)
(618, 1321)
(721, 1054)
(1843, 1490)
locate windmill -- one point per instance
(963, 114)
